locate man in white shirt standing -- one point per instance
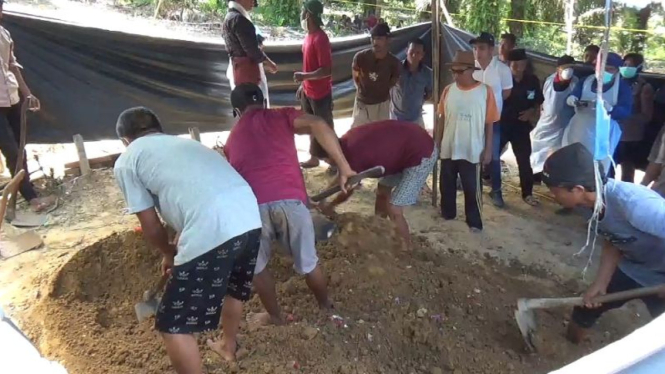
(497, 75)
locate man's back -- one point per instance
(195, 190)
(395, 145)
(262, 148)
(633, 221)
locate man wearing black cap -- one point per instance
(217, 219)
(496, 75)
(375, 72)
(519, 110)
(262, 148)
(546, 137)
(315, 79)
(631, 224)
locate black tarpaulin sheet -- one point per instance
(86, 76)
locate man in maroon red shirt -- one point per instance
(261, 147)
(408, 155)
(315, 92)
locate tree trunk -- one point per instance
(640, 38)
(517, 12)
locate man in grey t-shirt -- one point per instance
(632, 224)
(214, 211)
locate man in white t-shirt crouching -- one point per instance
(497, 75)
(200, 195)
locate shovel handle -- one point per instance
(150, 294)
(578, 301)
(374, 172)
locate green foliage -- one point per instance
(280, 12)
(482, 15)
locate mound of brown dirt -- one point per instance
(396, 312)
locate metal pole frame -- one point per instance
(436, 65)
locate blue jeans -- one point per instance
(495, 164)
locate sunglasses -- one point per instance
(459, 71)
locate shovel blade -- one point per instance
(28, 219)
(526, 321)
(323, 227)
(146, 309)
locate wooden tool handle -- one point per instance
(150, 294)
(10, 211)
(374, 172)
(10, 190)
(578, 301)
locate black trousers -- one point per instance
(586, 318)
(518, 135)
(321, 108)
(10, 138)
(469, 174)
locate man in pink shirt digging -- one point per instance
(261, 147)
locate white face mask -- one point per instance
(566, 74)
(303, 24)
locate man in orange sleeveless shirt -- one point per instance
(467, 113)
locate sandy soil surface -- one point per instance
(445, 308)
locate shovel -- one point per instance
(148, 307)
(323, 227)
(15, 245)
(22, 219)
(526, 318)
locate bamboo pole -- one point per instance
(436, 58)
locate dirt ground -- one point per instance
(447, 307)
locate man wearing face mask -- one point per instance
(519, 110)
(315, 91)
(630, 152)
(375, 72)
(617, 100)
(555, 115)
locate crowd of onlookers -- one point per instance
(357, 24)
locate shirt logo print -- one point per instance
(174, 330)
(373, 76)
(183, 275)
(236, 245)
(192, 320)
(181, 289)
(211, 311)
(217, 282)
(177, 304)
(197, 293)
(203, 265)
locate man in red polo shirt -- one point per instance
(315, 92)
(408, 155)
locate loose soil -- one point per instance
(426, 311)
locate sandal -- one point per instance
(44, 204)
(531, 200)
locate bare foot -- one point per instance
(311, 163)
(258, 320)
(41, 204)
(228, 354)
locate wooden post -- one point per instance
(436, 58)
(83, 158)
(195, 133)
